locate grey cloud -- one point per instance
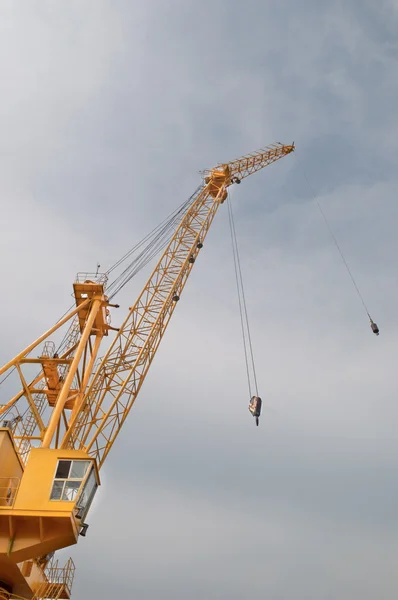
(109, 111)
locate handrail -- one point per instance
(61, 575)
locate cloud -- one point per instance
(109, 111)
(180, 541)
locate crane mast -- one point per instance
(52, 450)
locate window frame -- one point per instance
(68, 479)
(83, 509)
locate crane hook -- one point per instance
(255, 408)
(374, 327)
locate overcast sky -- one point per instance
(108, 111)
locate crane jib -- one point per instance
(58, 428)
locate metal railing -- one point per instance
(20, 428)
(48, 349)
(8, 490)
(61, 575)
(92, 277)
(59, 581)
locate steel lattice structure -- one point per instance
(60, 426)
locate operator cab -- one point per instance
(255, 407)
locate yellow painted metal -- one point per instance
(59, 581)
(41, 339)
(33, 521)
(61, 377)
(10, 403)
(119, 378)
(89, 289)
(248, 164)
(11, 469)
(63, 395)
(31, 524)
(80, 399)
(121, 373)
(28, 394)
(41, 579)
(74, 408)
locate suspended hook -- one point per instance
(255, 408)
(374, 327)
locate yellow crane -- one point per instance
(52, 449)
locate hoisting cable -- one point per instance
(373, 325)
(239, 300)
(156, 240)
(8, 374)
(246, 336)
(147, 237)
(150, 246)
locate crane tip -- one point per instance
(289, 148)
